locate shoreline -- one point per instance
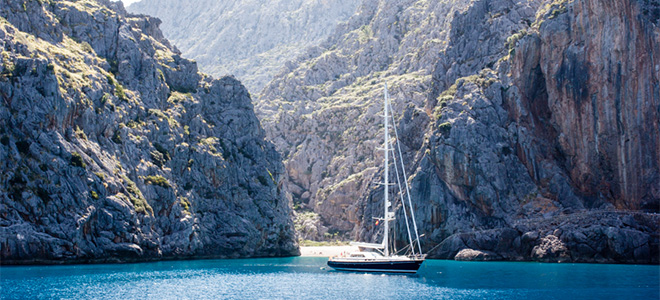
(325, 251)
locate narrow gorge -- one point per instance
(530, 128)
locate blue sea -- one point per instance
(309, 278)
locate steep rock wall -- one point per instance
(599, 61)
(114, 148)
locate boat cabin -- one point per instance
(364, 255)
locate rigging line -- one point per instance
(404, 248)
(403, 203)
(405, 177)
(436, 246)
(386, 180)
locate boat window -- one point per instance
(357, 255)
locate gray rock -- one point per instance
(592, 237)
(114, 148)
(551, 249)
(476, 255)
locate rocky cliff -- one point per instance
(115, 148)
(531, 127)
(251, 39)
(557, 145)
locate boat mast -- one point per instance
(412, 212)
(387, 181)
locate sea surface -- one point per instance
(309, 278)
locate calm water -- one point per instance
(308, 278)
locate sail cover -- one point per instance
(368, 245)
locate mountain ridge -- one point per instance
(248, 39)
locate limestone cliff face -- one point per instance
(531, 126)
(250, 39)
(545, 156)
(595, 71)
(114, 148)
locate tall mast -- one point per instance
(412, 212)
(387, 181)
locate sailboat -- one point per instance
(382, 257)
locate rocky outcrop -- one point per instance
(475, 255)
(309, 226)
(252, 39)
(590, 236)
(115, 148)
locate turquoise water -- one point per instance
(308, 278)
